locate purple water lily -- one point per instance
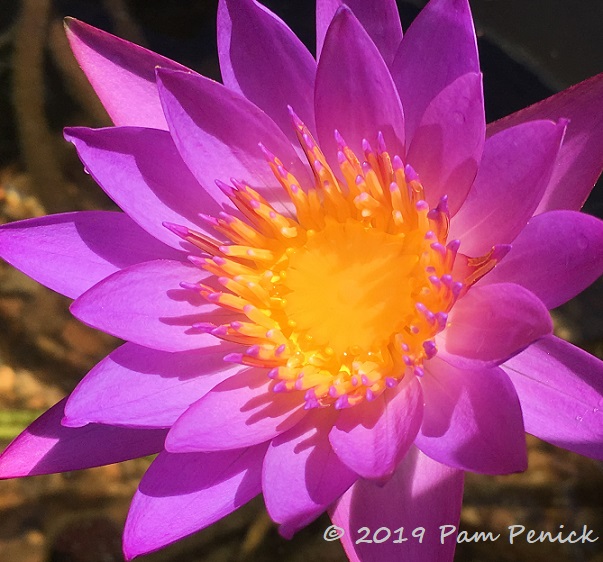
(331, 276)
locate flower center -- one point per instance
(345, 299)
(349, 286)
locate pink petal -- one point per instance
(181, 494)
(46, 446)
(144, 304)
(472, 420)
(239, 412)
(217, 132)
(556, 256)
(580, 160)
(422, 493)
(262, 59)
(447, 145)
(71, 252)
(141, 170)
(140, 387)
(373, 437)
(494, 322)
(355, 93)
(379, 17)
(514, 172)
(121, 73)
(438, 48)
(302, 475)
(560, 388)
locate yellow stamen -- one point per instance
(345, 299)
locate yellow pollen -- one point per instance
(345, 299)
(348, 286)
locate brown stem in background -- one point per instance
(35, 139)
(74, 78)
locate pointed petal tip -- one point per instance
(68, 23)
(75, 134)
(563, 121)
(579, 162)
(72, 421)
(173, 444)
(163, 71)
(73, 25)
(134, 543)
(343, 9)
(131, 551)
(67, 135)
(79, 32)
(286, 531)
(164, 74)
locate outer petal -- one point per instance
(373, 437)
(422, 493)
(71, 252)
(516, 168)
(438, 48)
(144, 304)
(302, 475)
(181, 494)
(447, 145)
(580, 160)
(355, 93)
(262, 59)
(141, 170)
(494, 322)
(46, 446)
(121, 73)
(379, 18)
(239, 412)
(217, 133)
(560, 388)
(472, 420)
(556, 256)
(140, 387)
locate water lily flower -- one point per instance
(332, 278)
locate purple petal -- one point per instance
(121, 73)
(71, 252)
(447, 145)
(438, 48)
(144, 304)
(421, 493)
(373, 437)
(580, 159)
(500, 202)
(46, 446)
(239, 412)
(560, 388)
(262, 59)
(472, 420)
(217, 133)
(141, 170)
(184, 493)
(302, 475)
(140, 387)
(355, 93)
(379, 18)
(494, 322)
(556, 256)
